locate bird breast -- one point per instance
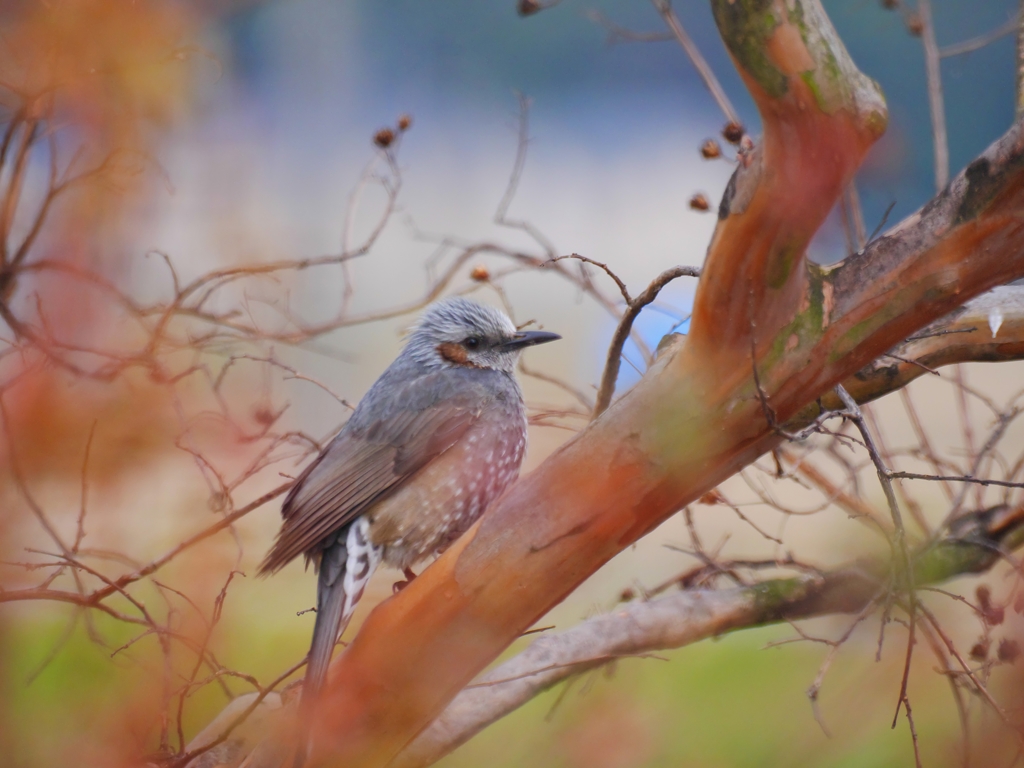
(441, 501)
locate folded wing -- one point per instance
(383, 445)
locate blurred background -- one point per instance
(214, 135)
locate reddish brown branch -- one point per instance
(694, 419)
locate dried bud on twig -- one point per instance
(993, 615)
(984, 595)
(480, 273)
(733, 132)
(404, 122)
(528, 7)
(384, 138)
(710, 149)
(915, 25)
(1008, 650)
(263, 415)
(711, 497)
(979, 651)
(699, 202)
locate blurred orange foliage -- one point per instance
(98, 80)
(111, 63)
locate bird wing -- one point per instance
(371, 458)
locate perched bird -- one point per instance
(437, 437)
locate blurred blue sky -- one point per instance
(312, 80)
(307, 63)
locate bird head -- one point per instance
(458, 332)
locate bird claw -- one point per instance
(398, 586)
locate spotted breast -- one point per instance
(448, 495)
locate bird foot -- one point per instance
(398, 586)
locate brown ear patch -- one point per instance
(454, 353)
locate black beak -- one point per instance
(528, 339)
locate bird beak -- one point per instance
(528, 339)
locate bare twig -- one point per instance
(933, 69)
(980, 41)
(633, 308)
(664, 7)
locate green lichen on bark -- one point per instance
(775, 597)
(781, 262)
(849, 589)
(948, 559)
(979, 542)
(745, 26)
(834, 81)
(806, 325)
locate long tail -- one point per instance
(346, 566)
(330, 603)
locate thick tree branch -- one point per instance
(696, 417)
(645, 627)
(987, 329)
(695, 614)
(820, 115)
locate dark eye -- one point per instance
(471, 343)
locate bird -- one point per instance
(431, 444)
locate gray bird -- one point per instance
(435, 440)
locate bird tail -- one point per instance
(330, 605)
(346, 566)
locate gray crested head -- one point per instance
(460, 333)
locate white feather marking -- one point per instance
(995, 320)
(363, 558)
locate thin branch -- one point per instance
(955, 479)
(501, 215)
(644, 627)
(980, 41)
(899, 542)
(648, 626)
(633, 308)
(664, 7)
(933, 69)
(617, 32)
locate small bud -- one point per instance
(994, 615)
(627, 594)
(1008, 650)
(915, 25)
(890, 5)
(699, 202)
(710, 150)
(711, 497)
(480, 273)
(263, 415)
(979, 651)
(404, 122)
(384, 138)
(733, 132)
(528, 7)
(984, 595)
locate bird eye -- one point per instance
(471, 343)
